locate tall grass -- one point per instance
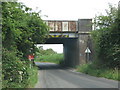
(91, 69)
(33, 76)
(54, 58)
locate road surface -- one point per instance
(53, 76)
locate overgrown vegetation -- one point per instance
(53, 58)
(48, 56)
(21, 30)
(93, 70)
(106, 40)
(33, 77)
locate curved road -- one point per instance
(53, 76)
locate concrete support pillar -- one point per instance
(71, 52)
(84, 28)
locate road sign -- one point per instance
(87, 50)
(30, 57)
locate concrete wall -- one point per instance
(71, 51)
(84, 25)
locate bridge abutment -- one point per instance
(85, 41)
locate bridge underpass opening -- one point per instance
(51, 53)
(70, 49)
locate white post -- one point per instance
(87, 51)
(88, 57)
(30, 63)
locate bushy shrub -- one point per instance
(14, 71)
(107, 47)
(21, 30)
(107, 39)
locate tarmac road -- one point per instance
(53, 76)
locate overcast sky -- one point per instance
(68, 10)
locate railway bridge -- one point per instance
(75, 37)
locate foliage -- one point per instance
(93, 70)
(33, 74)
(104, 21)
(21, 30)
(12, 66)
(107, 39)
(54, 58)
(49, 51)
(48, 55)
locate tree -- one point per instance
(107, 38)
(46, 52)
(21, 30)
(24, 31)
(104, 21)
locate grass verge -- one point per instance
(91, 69)
(33, 77)
(54, 58)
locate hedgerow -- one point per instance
(106, 39)
(21, 30)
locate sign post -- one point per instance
(87, 51)
(30, 57)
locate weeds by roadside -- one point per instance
(93, 70)
(33, 77)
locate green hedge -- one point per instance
(12, 71)
(17, 73)
(106, 38)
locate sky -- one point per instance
(56, 47)
(68, 10)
